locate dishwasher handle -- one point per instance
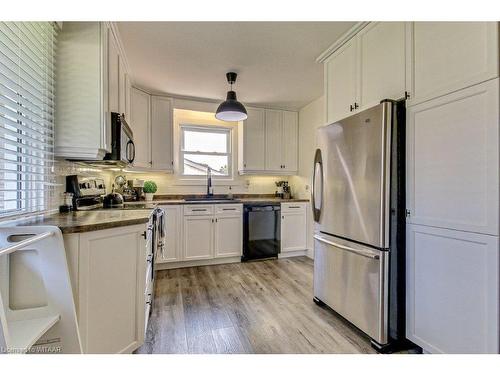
(262, 208)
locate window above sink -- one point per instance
(202, 146)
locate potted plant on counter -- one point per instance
(149, 189)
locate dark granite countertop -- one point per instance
(86, 221)
(244, 199)
(135, 213)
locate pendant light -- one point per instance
(231, 109)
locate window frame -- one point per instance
(221, 129)
(27, 118)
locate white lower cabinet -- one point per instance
(108, 272)
(173, 235)
(228, 235)
(212, 231)
(198, 237)
(293, 227)
(452, 290)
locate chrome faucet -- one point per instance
(209, 182)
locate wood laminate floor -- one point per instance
(256, 307)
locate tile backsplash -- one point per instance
(167, 183)
(63, 168)
(171, 184)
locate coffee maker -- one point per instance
(137, 186)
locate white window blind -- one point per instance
(27, 73)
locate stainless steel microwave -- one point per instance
(122, 141)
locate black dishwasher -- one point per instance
(261, 231)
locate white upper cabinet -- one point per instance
(161, 134)
(368, 68)
(122, 89)
(341, 82)
(140, 112)
(151, 119)
(113, 74)
(251, 140)
(274, 124)
(382, 73)
(290, 135)
(268, 142)
(128, 89)
(452, 160)
(448, 56)
(87, 94)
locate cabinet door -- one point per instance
(290, 141)
(140, 123)
(122, 107)
(228, 236)
(452, 290)
(340, 75)
(161, 133)
(448, 56)
(274, 123)
(293, 231)
(173, 227)
(111, 286)
(113, 73)
(452, 160)
(382, 61)
(198, 237)
(127, 97)
(254, 141)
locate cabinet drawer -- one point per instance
(228, 208)
(198, 209)
(293, 207)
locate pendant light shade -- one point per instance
(231, 109)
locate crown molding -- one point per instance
(114, 27)
(341, 41)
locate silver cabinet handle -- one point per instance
(319, 161)
(199, 209)
(229, 209)
(364, 253)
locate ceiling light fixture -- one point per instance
(231, 109)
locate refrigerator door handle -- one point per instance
(364, 253)
(318, 162)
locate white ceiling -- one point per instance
(275, 61)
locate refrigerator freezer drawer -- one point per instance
(352, 280)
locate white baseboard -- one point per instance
(310, 253)
(195, 263)
(296, 253)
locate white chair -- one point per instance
(37, 309)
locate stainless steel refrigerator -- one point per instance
(358, 207)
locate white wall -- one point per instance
(199, 112)
(311, 117)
